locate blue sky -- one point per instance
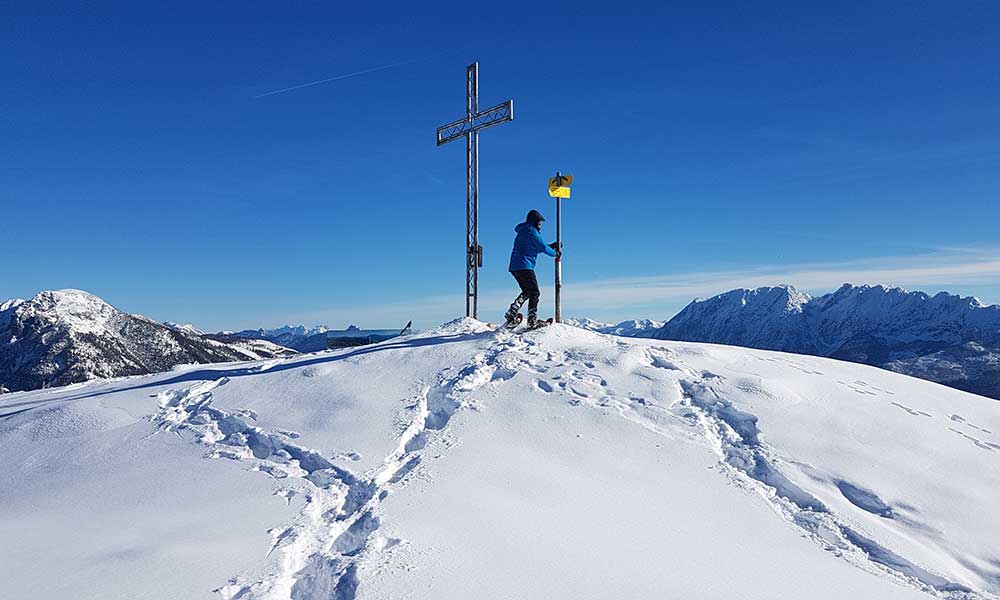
(716, 146)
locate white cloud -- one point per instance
(661, 295)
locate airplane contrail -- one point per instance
(338, 77)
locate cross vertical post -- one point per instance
(469, 127)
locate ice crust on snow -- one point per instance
(466, 461)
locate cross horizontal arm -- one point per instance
(501, 113)
(451, 131)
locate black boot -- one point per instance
(513, 316)
(532, 314)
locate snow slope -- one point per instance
(462, 461)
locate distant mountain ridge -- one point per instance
(297, 337)
(303, 339)
(68, 336)
(630, 328)
(946, 338)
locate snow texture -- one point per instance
(467, 461)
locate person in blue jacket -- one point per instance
(527, 246)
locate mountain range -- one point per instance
(631, 328)
(945, 338)
(69, 336)
(297, 337)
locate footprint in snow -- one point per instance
(912, 411)
(990, 446)
(961, 419)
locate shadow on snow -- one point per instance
(209, 374)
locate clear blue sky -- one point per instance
(713, 146)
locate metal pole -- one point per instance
(558, 317)
(468, 222)
(477, 256)
(475, 194)
(470, 218)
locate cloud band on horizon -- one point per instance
(951, 267)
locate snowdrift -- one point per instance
(465, 462)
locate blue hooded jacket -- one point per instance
(527, 245)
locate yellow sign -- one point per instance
(567, 180)
(559, 192)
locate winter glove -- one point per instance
(555, 246)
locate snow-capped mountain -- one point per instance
(69, 336)
(297, 337)
(945, 338)
(304, 339)
(632, 328)
(185, 327)
(466, 462)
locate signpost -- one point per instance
(559, 189)
(469, 127)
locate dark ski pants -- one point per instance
(529, 291)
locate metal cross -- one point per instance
(469, 126)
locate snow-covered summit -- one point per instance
(185, 327)
(6, 305)
(7, 310)
(767, 317)
(69, 309)
(465, 461)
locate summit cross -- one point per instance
(469, 127)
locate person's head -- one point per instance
(534, 219)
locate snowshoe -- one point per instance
(539, 324)
(512, 323)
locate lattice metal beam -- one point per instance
(501, 113)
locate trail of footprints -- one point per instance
(864, 388)
(585, 386)
(317, 555)
(319, 552)
(736, 438)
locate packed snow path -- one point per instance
(467, 461)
